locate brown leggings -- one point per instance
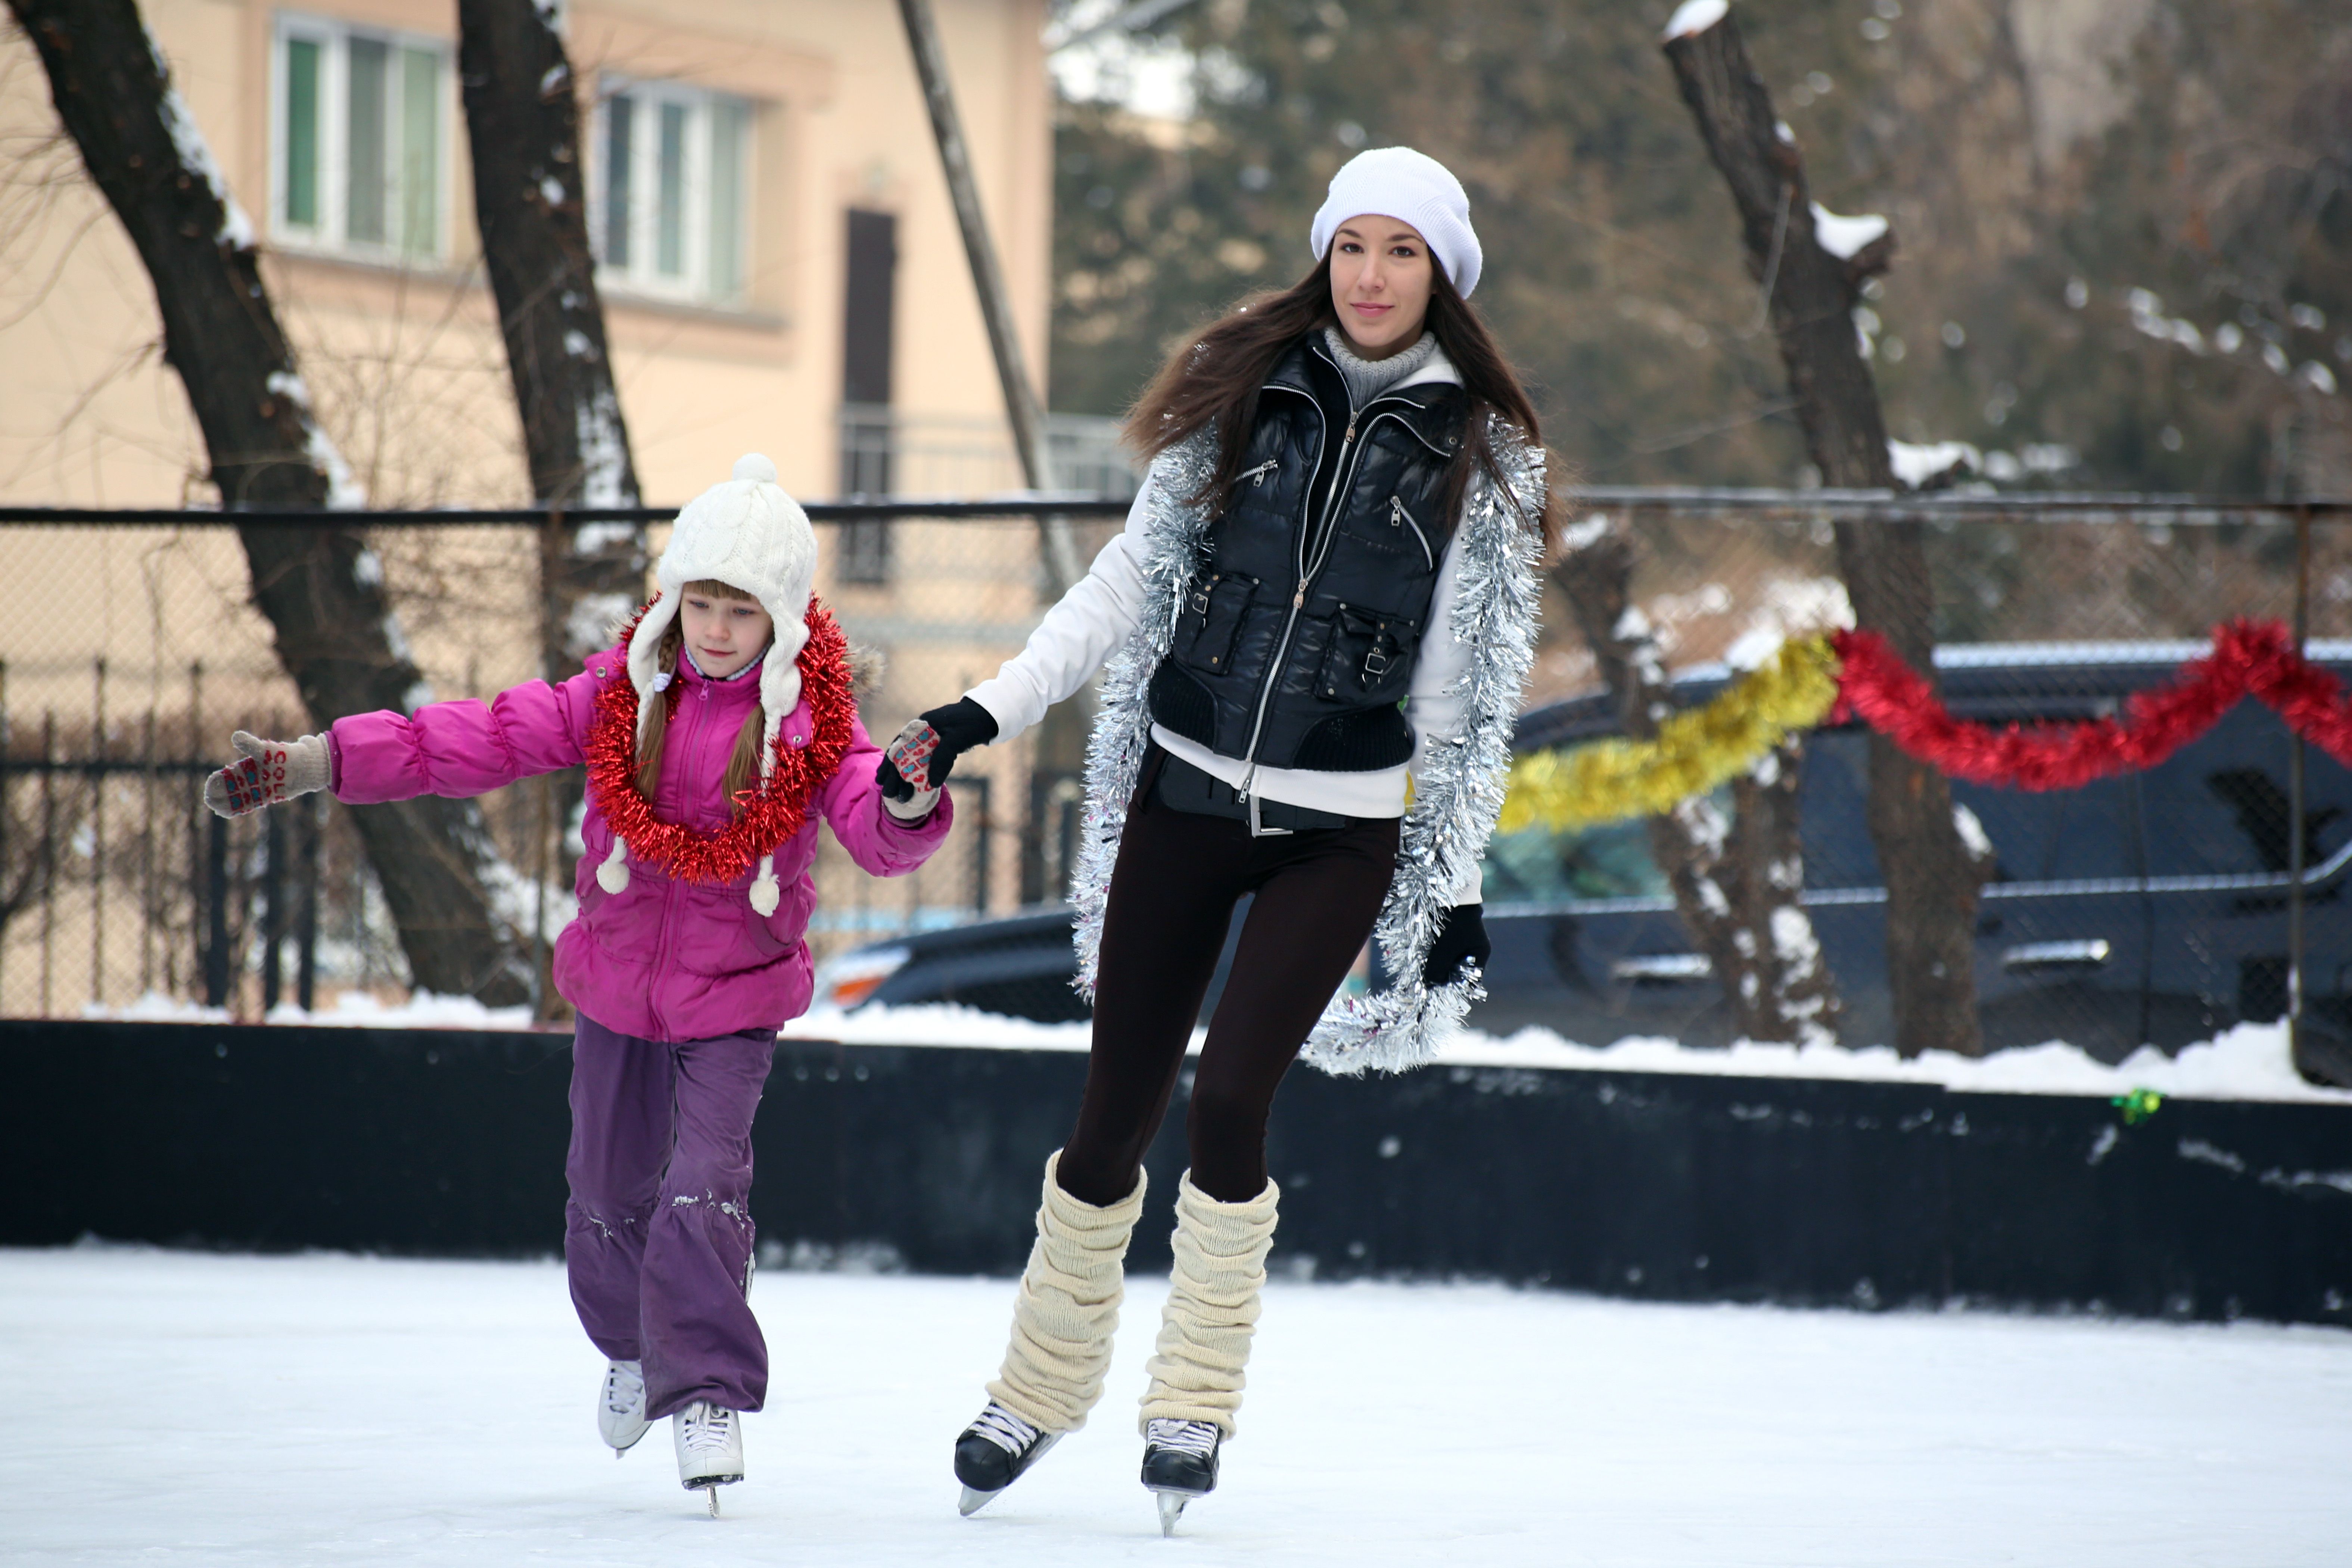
(1171, 899)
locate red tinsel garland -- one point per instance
(2250, 658)
(773, 812)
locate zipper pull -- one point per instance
(1396, 511)
(1349, 438)
(1299, 600)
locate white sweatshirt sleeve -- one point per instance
(1080, 632)
(1435, 711)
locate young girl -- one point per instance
(715, 735)
(1324, 586)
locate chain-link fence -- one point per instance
(2152, 905)
(131, 651)
(2149, 907)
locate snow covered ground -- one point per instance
(190, 1409)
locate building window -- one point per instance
(672, 191)
(359, 123)
(869, 431)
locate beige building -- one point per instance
(781, 271)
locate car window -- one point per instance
(2060, 835)
(2219, 807)
(1609, 861)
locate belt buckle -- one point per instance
(1258, 829)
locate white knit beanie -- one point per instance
(749, 534)
(1399, 182)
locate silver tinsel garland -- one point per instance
(1457, 789)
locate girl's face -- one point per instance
(725, 634)
(1380, 279)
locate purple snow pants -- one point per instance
(658, 1236)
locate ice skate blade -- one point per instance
(971, 1503)
(1171, 1509)
(714, 1500)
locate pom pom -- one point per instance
(766, 894)
(753, 468)
(613, 875)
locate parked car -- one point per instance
(2148, 908)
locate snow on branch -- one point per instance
(1695, 17)
(1845, 237)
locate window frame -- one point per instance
(330, 235)
(640, 276)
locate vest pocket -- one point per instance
(1215, 606)
(1369, 655)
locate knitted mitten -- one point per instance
(1067, 1307)
(1213, 1306)
(269, 773)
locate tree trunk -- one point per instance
(1931, 881)
(320, 587)
(522, 124)
(1736, 886)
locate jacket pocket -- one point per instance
(1369, 656)
(1214, 607)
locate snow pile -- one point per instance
(351, 1009)
(354, 1411)
(939, 1023)
(1917, 463)
(2249, 1062)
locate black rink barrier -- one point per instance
(1658, 1186)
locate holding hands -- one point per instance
(918, 761)
(268, 771)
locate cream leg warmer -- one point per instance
(1213, 1306)
(1067, 1307)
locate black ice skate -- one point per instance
(993, 1452)
(1179, 1462)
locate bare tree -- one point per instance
(522, 122)
(1738, 881)
(319, 586)
(1811, 290)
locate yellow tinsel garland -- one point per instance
(1694, 752)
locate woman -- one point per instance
(1325, 588)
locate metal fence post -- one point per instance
(2295, 789)
(306, 930)
(217, 915)
(273, 917)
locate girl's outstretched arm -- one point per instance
(879, 841)
(468, 747)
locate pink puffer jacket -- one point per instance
(663, 960)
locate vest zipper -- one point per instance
(1321, 542)
(1256, 477)
(1398, 514)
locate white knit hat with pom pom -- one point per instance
(749, 534)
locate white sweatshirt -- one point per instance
(1103, 609)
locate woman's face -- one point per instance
(725, 634)
(1380, 278)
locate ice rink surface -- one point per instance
(187, 1409)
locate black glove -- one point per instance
(1461, 935)
(930, 745)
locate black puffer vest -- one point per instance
(1297, 640)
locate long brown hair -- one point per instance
(1214, 380)
(743, 764)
